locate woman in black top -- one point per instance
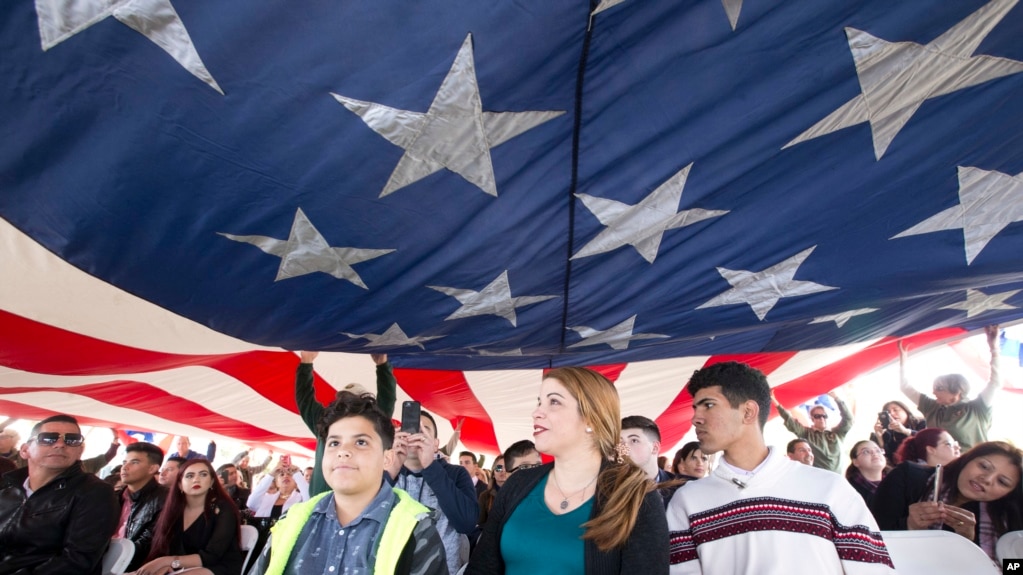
(199, 527)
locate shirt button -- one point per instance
(342, 532)
(331, 569)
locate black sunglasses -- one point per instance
(498, 468)
(51, 437)
(524, 466)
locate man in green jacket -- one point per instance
(826, 443)
(362, 524)
(311, 410)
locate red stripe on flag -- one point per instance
(447, 394)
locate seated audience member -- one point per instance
(169, 472)
(141, 498)
(439, 485)
(591, 510)
(9, 439)
(468, 461)
(901, 424)
(362, 525)
(230, 478)
(866, 468)
(312, 410)
(903, 484)
(308, 474)
(758, 506)
(800, 450)
(662, 463)
(521, 455)
(246, 470)
(54, 517)
(182, 445)
(967, 421)
(199, 528)
(488, 496)
(114, 478)
(825, 442)
(980, 496)
(643, 438)
(275, 493)
(691, 463)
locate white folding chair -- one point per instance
(249, 537)
(936, 552)
(118, 556)
(1010, 546)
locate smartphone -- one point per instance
(937, 482)
(410, 416)
(885, 419)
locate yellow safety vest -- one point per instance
(400, 523)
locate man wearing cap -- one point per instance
(55, 517)
(312, 410)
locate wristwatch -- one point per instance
(175, 564)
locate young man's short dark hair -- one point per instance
(153, 452)
(645, 423)
(348, 404)
(226, 466)
(791, 447)
(739, 383)
(177, 459)
(468, 454)
(517, 450)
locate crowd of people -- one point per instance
(589, 493)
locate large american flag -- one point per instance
(486, 189)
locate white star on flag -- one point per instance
(840, 319)
(495, 299)
(517, 352)
(978, 302)
(307, 251)
(618, 337)
(896, 77)
(988, 202)
(455, 133)
(393, 337)
(762, 290)
(643, 225)
(154, 19)
(732, 8)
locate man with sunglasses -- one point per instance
(825, 443)
(55, 517)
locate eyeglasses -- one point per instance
(51, 438)
(938, 388)
(952, 444)
(498, 468)
(819, 416)
(874, 451)
(524, 466)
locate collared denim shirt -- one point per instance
(327, 547)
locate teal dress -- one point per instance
(535, 541)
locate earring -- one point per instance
(589, 430)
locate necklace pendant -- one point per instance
(564, 504)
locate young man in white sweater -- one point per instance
(760, 512)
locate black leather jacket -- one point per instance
(146, 504)
(63, 528)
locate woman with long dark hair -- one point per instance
(496, 482)
(980, 496)
(199, 527)
(866, 469)
(591, 510)
(895, 424)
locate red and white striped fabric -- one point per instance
(70, 343)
